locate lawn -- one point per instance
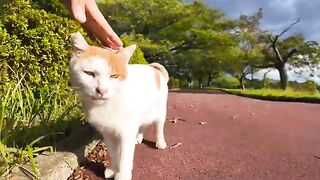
(277, 94)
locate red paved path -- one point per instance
(243, 139)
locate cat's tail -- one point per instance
(162, 69)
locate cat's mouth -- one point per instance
(94, 98)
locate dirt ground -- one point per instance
(222, 136)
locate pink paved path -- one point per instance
(243, 139)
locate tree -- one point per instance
(292, 51)
(169, 31)
(249, 50)
(200, 39)
(133, 17)
(194, 64)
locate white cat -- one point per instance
(119, 99)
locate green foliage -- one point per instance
(153, 52)
(141, 16)
(168, 31)
(138, 56)
(34, 43)
(173, 82)
(51, 6)
(308, 86)
(248, 51)
(183, 83)
(225, 82)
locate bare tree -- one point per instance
(281, 59)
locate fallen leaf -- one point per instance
(235, 116)
(175, 145)
(202, 123)
(173, 120)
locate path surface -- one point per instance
(242, 139)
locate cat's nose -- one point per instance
(101, 91)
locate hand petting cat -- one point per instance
(88, 14)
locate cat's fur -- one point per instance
(119, 99)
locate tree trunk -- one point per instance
(283, 76)
(241, 81)
(209, 81)
(200, 82)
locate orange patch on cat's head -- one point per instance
(116, 60)
(116, 64)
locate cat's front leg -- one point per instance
(127, 147)
(113, 147)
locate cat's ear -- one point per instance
(79, 44)
(127, 52)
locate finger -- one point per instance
(99, 33)
(112, 45)
(95, 32)
(108, 33)
(78, 10)
(89, 32)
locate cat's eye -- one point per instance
(89, 73)
(114, 76)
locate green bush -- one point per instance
(183, 83)
(225, 82)
(35, 43)
(173, 82)
(51, 6)
(308, 86)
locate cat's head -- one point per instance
(97, 73)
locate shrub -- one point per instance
(173, 82)
(35, 43)
(183, 83)
(225, 82)
(51, 6)
(308, 86)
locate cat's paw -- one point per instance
(109, 173)
(161, 144)
(123, 176)
(139, 139)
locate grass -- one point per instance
(32, 121)
(278, 94)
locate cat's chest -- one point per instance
(113, 115)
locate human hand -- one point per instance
(88, 14)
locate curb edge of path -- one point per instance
(59, 165)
